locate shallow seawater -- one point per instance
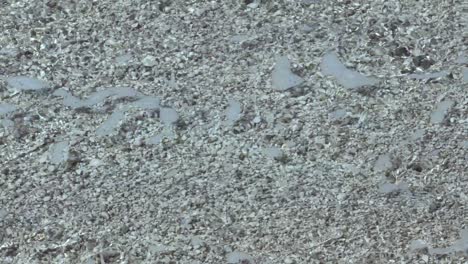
(168, 116)
(233, 111)
(25, 83)
(331, 65)
(6, 108)
(282, 77)
(441, 110)
(58, 152)
(97, 97)
(109, 126)
(426, 76)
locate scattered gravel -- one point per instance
(346, 143)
